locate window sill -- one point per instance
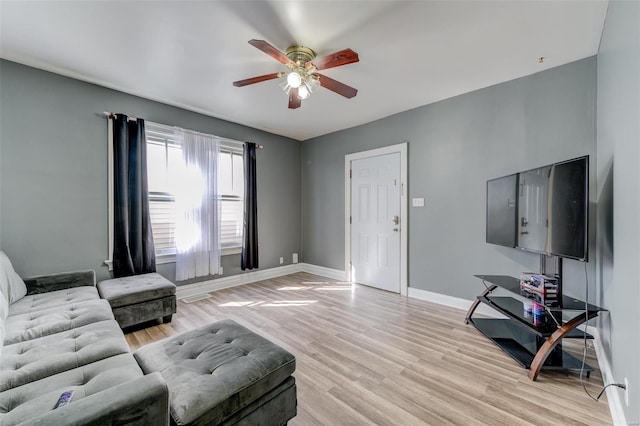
(231, 250)
(161, 259)
(171, 258)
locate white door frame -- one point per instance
(400, 148)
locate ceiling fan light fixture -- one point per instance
(302, 76)
(294, 79)
(303, 92)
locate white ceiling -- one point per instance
(188, 53)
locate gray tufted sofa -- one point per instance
(61, 336)
(57, 335)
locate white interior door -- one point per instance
(375, 221)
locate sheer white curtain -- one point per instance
(198, 207)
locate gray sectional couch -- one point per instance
(61, 336)
(57, 335)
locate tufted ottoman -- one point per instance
(139, 298)
(224, 374)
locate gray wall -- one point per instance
(53, 173)
(619, 194)
(454, 146)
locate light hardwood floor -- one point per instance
(366, 356)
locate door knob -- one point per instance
(396, 220)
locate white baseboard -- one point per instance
(613, 393)
(334, 274)
(204, 287)
(452, 301)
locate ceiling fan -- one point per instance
(303, 76)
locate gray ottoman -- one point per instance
(139, 298)
(223, 374)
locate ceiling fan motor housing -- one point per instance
(300, 55)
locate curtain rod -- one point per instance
(113, 114)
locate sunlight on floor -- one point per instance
(277, 303)
(236, 304)
(326, 286)
(242, 304)
(334, 288)
(288, 303)
(320, 286)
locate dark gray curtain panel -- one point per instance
(133, 249)
(249, 258)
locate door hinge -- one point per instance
(350, 173)
(350, 222)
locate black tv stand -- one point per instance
(536, 347)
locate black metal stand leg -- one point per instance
(476, 302)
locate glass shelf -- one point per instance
(533, 341)
(543, 326)
(504, 334)
(512, 284)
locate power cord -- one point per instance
(584, 350)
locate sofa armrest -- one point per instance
(59, 281)
(143, 401)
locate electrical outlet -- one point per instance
(281, 260)
(626, 391)
(295, 257)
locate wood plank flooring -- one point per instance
(366, 356)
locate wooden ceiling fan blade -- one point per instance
(336, 86)
(258, 79)
(270, 50)
(294, 100)
(343, 57)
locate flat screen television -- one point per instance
(543, 210)
(502, 195)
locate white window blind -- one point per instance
(164, 156)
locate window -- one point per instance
(231, 183)
(164, 159)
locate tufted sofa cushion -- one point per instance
(35, 359)
(215, 371)
(62, 337)
(33, 325)
(135, 289)
(41, 301)
(33, 399)
(11, 285)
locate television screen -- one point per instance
(501, 210)
(550, 211)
